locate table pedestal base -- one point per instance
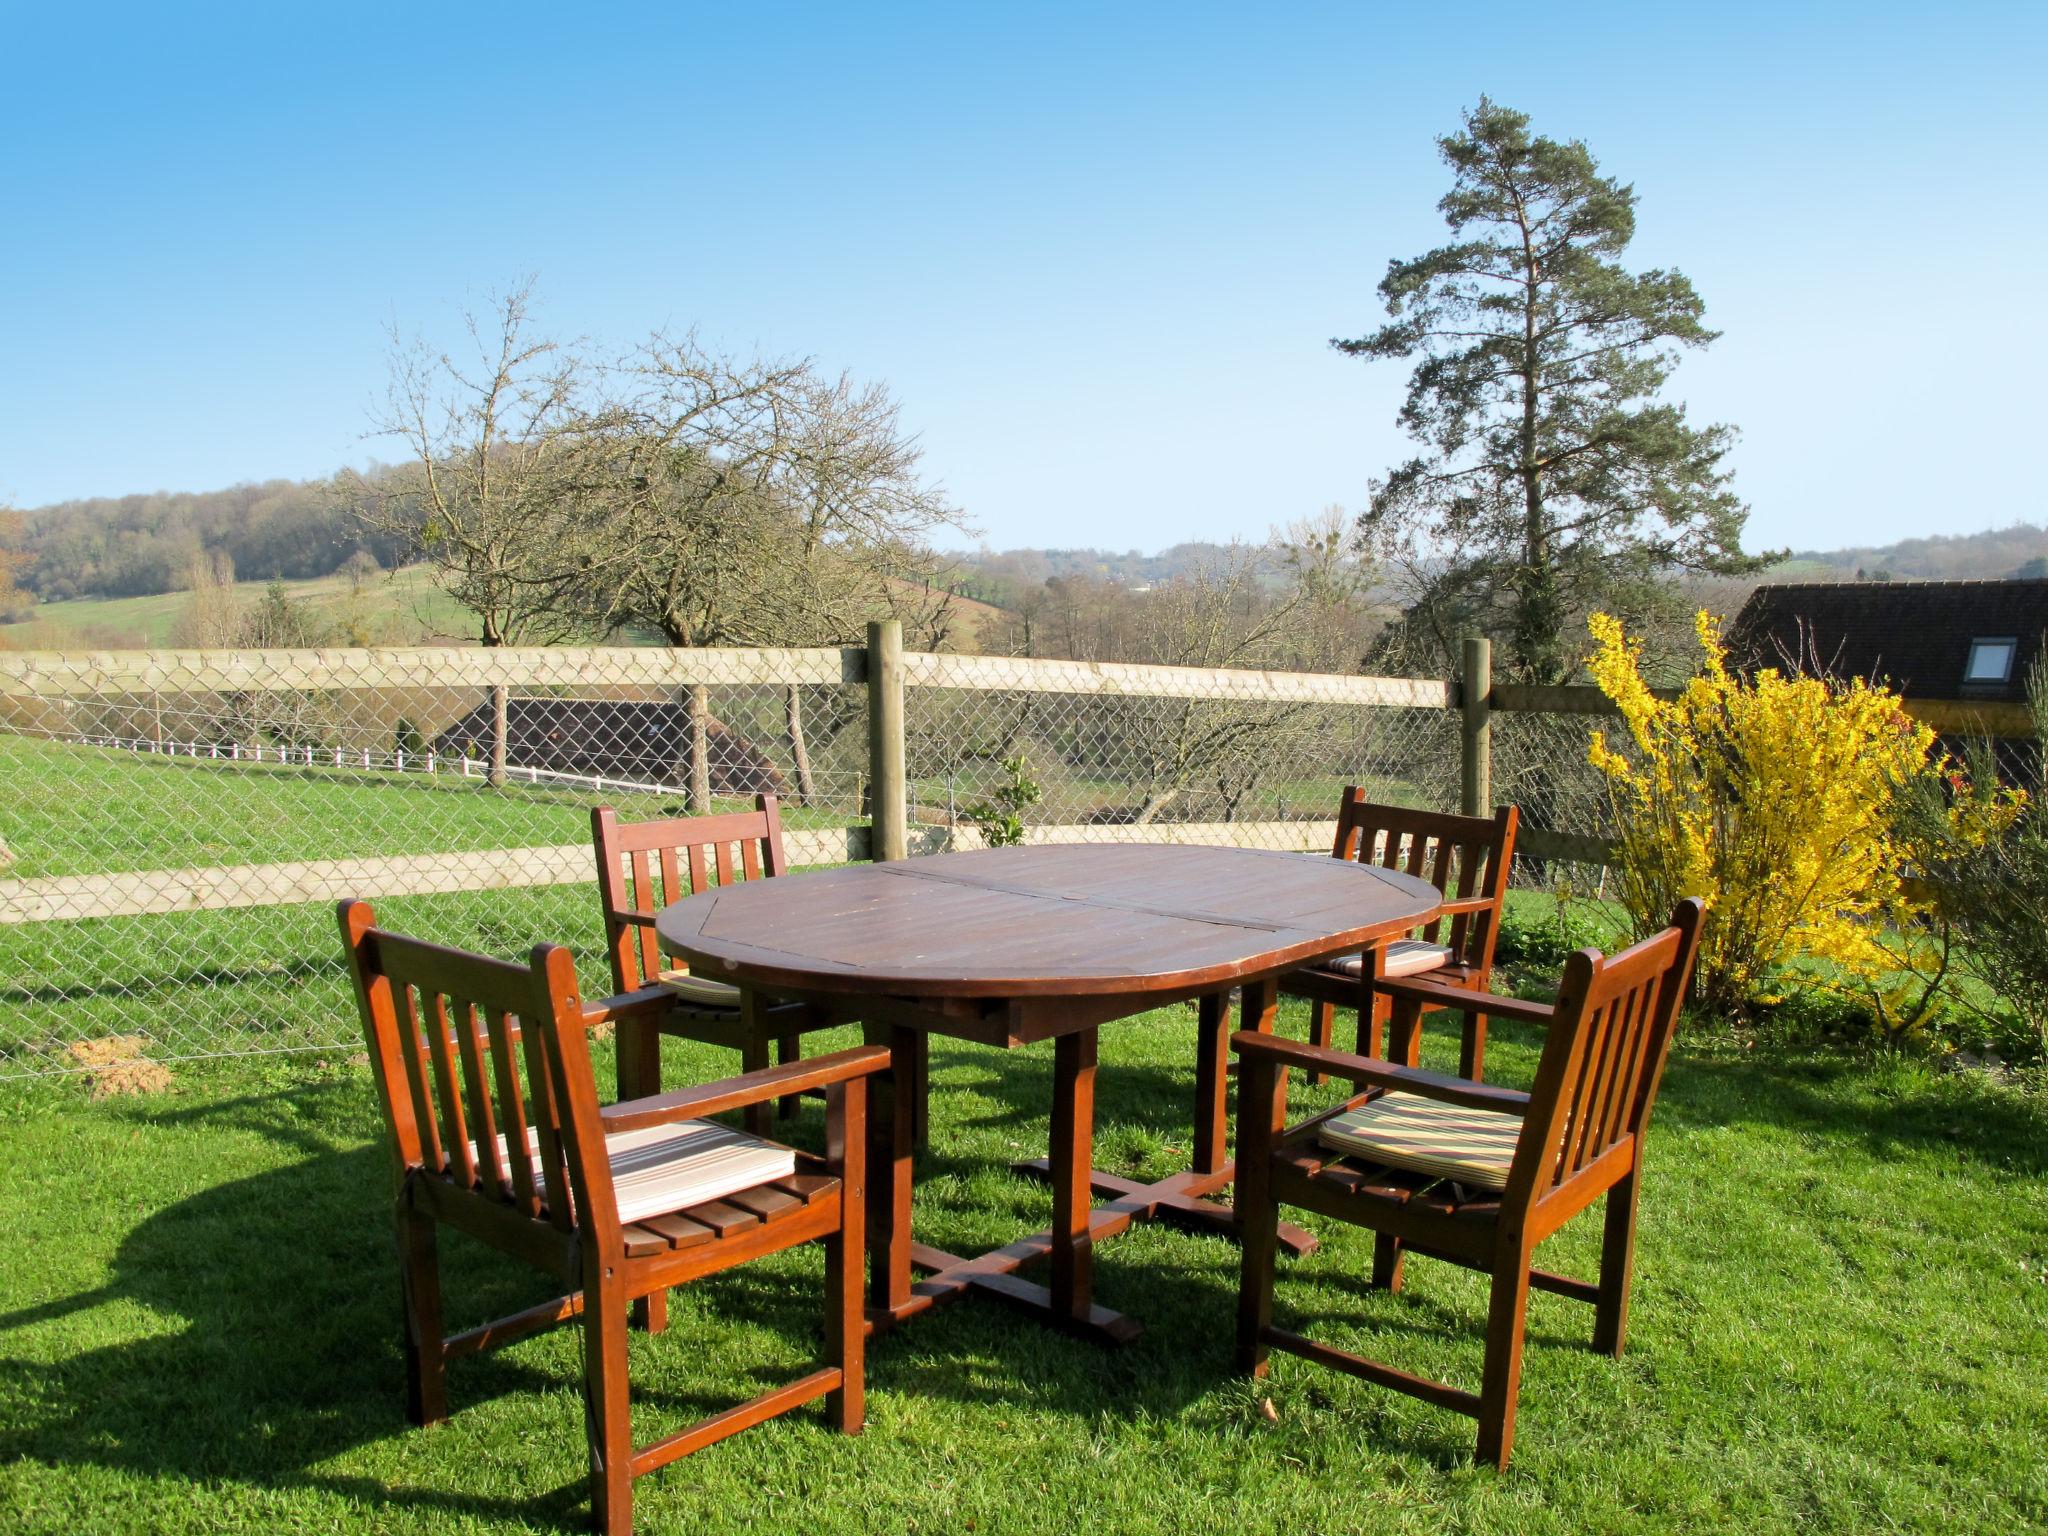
(1176, 1200)
(909, 1277)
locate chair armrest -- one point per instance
(1379, 1074)
(1465, 904)
(738, 1092)
(633, 915)
(1465, 1000)
(643, 1001)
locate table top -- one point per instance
(1047, 921)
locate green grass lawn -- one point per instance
(1839, 1323)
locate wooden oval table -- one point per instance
(1015, 945)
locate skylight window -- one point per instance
(1990, 661)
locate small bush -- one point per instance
(1001, 816)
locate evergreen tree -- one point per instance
(1553, 476)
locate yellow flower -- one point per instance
(1770, 796)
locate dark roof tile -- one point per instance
(1914, 635)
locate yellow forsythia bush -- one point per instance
(1770, 796)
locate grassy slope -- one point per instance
(398, 609)
(1838, 1326)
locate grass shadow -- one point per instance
(283, 1290)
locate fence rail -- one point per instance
(174, 825)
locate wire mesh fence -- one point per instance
(1114, 753)
(1541, 766)
(176, 826)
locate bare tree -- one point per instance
(212, 614)
(492, 444)
(748, 502)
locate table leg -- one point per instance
(1073, 1157)
(1182, 1199)
(1212, 1063)
(891, 1124)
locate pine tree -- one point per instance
(1553, 477)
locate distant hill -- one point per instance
(2018, 550)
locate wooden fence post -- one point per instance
(888, 822)
(1476, 743)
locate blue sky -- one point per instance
(1096, 251)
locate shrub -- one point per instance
(1983, 860)
(1770, 796)
(1001, 815)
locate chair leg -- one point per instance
(650, 1312)
(1259, 1238)
(1387, 1257)
(1322, 1031)
(757, 1118)
(639, 1059)
(607, 1414)
(845, 1327)
(1472, 1049)
(426, 1369)
(1404, 1033)
(1372, 1026)
(1617, 1269)
(788, 1048)
(1501, 1386)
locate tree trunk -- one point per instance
(501, 710)
(793, 712)
(1154, 805)
(700, 750)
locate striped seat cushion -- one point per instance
(1405, 1130)
(1405, 957)
(699, 991)
(663, 1168)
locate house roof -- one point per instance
(1916, 636)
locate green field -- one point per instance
(401, 607)
(397, 609)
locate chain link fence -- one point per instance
(1117, 753)
(1541, 766)
(178, 825)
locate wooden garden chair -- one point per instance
(1466, 1172)
(643, 866)
(474, 1058)
(1467, 858)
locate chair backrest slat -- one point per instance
(643, 866)
(491, 1171)
(1597, 1080)
(1462, 856)
(554, 1171)
(505, 1058)
(411, 1045)
(481, 1046)
(646, 898)
(458, 1151)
